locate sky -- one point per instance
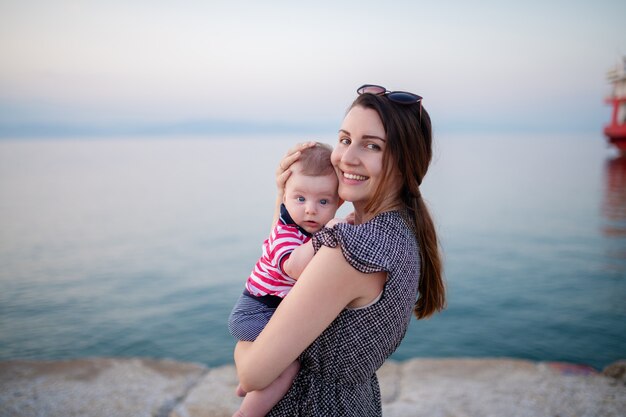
(480, 65)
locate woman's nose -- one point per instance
(349, 156)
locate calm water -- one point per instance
(139, 247)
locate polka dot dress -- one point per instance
(338, 370)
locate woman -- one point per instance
(352, 304)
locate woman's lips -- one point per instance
(355, 177)
(350, 178)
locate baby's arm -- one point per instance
(298, 260)
(302, 255)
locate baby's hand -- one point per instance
(349, 219)
(334, 221)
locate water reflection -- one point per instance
(614, 206)
(614, 210)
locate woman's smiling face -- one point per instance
(358, 156)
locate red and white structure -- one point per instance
(616, 130)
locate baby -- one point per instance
(310, 201)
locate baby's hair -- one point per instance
(315, 161)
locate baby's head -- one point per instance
(311, 191)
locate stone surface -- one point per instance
(418, 387)
(484, 388)
(617, 371)
(95, 387)
(213, 396)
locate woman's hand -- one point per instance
(283, 172)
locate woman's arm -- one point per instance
(324, 289)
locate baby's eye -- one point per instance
(323, 202)
(300, 199)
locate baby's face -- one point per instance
(311, 200)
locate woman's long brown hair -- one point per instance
(408, 155)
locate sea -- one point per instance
(139, 246)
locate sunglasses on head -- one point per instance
(401, 97)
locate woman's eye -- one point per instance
(300, 199)
(323, 202)
(373, 146)
(344, 141)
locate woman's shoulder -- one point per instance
(374, 244)
(388, 225)
(390, 231)
(384, 227)
(394, 221)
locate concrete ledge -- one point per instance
(95, 387)
(419, 387)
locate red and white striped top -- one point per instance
(268, 276)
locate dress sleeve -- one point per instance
(363, 246)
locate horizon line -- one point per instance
(212, 127)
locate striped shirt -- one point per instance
(268, 276)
